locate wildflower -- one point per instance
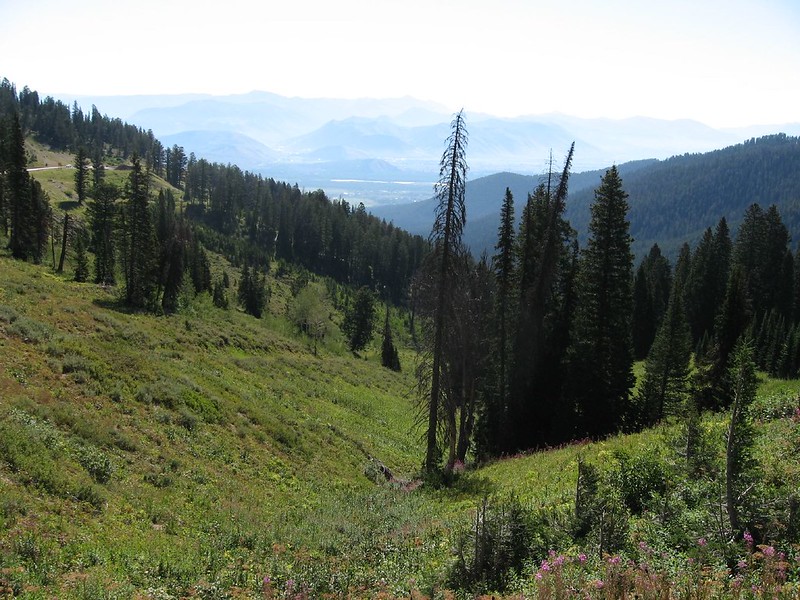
(538, 576)
(741, 565)
(545, 566)
(599, 584)
(581, 558)
(748, 538)
(614, 560)
(769, 551)
(559, 560)
(702, 542)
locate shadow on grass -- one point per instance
(469, 485)
(117, 305)
(68, 205)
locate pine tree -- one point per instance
(359, 320)
(739, 460)
(504, 267)
(81, 174)
(102, 211)
(543, 302)
(137, 228)
(81, 258)
(19, 195)
(445, 238)
(666, 380)
(389, 356)
(601, 358)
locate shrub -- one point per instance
(496, 545)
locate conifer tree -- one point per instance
(601, 357)
(26, 203)
(445, 238)
(102, 211)
(359, 319)
(137, 228)
(504, 264)
(81, 174)
(666, 380)
(739, 460)
(389, 356)
(81, 258)
(544, 310)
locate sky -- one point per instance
(725, 63)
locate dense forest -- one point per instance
(519, 343)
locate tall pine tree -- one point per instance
(442, 274)
(601, 357)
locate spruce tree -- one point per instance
(359, 320)
(137, 227)
(504, 268)
(81, 174)
(666, 380)
(389, 356)
(81, 259)
(601, 357)
(102, 211)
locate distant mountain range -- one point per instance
(387, 144)
(672, 201)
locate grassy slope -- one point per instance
(165, 456)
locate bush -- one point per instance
(496, 545)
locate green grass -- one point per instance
(195, 454)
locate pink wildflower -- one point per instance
(581, 558)
(769, 551)
(748, 538)
(741, 565)
(545, 566)
(614, 560)
(599, 584)
(538, 576)
(702, 542)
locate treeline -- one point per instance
(250, 219)
(248, 214)
(536, 346)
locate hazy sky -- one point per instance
(722, 62)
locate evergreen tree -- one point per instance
(707, 280)
(253, 292)
(389, 356)
(666, 379)
(172, 239)
(739, 462)
(545, 276)
(137, 230)
(220, 295)
(98, 169)
(27, 205)
(504, 267)
(449, 220)
(359, 320)
(601, 358)
(81, 257)
(651, 294)
(102, 211)
(81, 174)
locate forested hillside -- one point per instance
(194, 387)
(672, 201)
